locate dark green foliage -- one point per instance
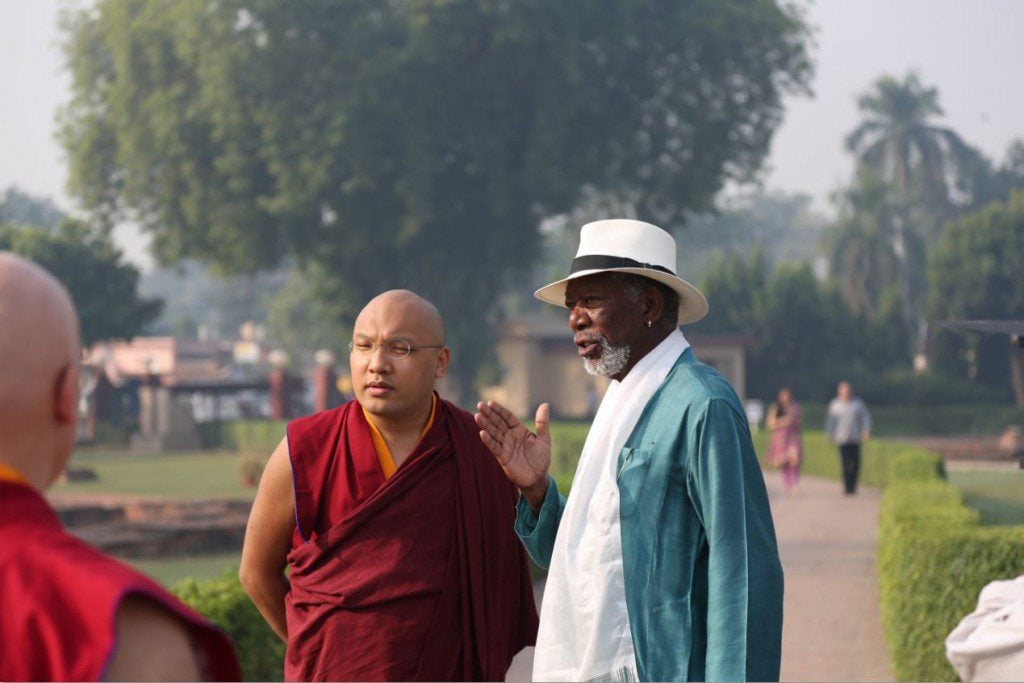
(102, 285)
(975, 272)
(224, 602)
(800, 332)
(414, 144)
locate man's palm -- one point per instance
(524, 456)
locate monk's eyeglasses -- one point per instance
(393, 348)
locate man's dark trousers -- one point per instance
(850, 455)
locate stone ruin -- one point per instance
(138, 527)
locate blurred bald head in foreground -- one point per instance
(39, 350)
(103, 620)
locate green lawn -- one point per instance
(998, 496)
(170, 571)
(185, 475)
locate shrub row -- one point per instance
(933, 555)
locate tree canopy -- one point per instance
(417, 143)
(102, 285)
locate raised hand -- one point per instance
(524, 456)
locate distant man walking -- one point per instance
(662, 563)
(848, 424)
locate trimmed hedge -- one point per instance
(224, 602)
(934, 556)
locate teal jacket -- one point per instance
(702, 572)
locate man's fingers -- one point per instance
(542, 420)
(492, 445)
(504, 415)
(496, 428)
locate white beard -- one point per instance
(612, 361)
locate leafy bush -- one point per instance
(224, 602)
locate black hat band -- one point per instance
(602, 262)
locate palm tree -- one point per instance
(898, 141)
(922, 161)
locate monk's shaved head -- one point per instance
(403, 309)
(39, 350)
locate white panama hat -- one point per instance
(626, 246)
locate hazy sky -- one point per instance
(970, 49)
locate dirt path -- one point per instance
(832, 629)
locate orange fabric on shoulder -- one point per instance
(387, 462)
(8, 473)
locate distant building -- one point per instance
(171, 360)
(540, 364)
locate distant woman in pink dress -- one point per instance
(786, 449)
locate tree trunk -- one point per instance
(910, 319)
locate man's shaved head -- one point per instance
(39, 351)
(400, 307)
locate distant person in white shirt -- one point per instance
(988, 644)
(848, 425)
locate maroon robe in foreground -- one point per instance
(59, 599)
(420, 577)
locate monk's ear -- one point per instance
(443, 359)
(66, 392)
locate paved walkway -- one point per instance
(832, 629)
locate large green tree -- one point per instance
(102, 285)
(975, 273)
(414, 143)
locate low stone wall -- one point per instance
(139, 527)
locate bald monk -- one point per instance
(68, 611)
(397, 523)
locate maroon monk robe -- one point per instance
(420, 577)
(59, 599)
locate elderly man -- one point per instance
(397, 523)
(662, 563)
(69, 612)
